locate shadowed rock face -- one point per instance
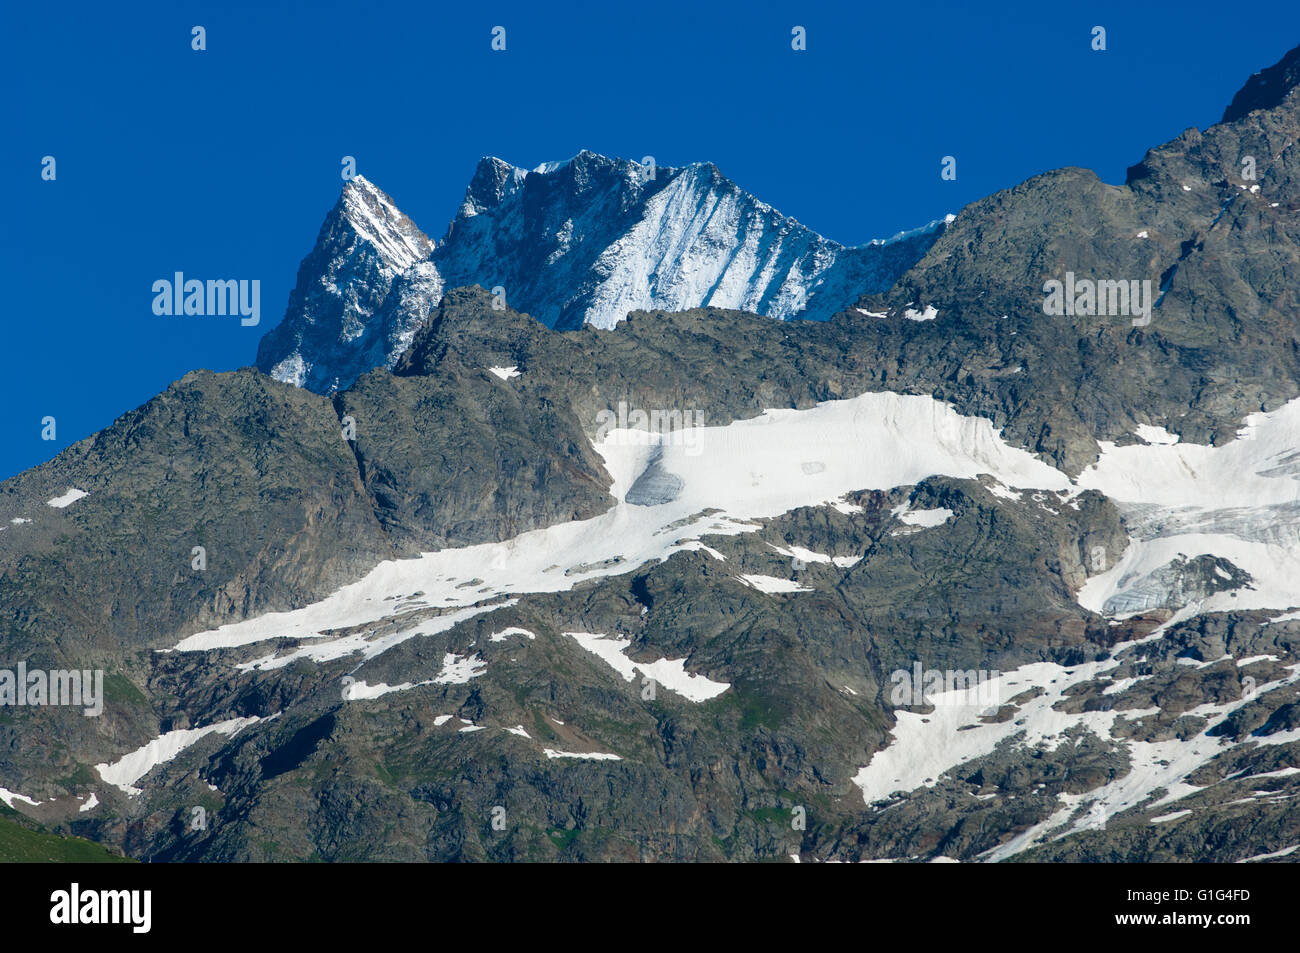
(1266, 89)
(293, 495)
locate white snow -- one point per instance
(1239, 501)
(1143, 234)
(1004, 492)
(441, 720)
(1279, 773)
(360, 690)
(809, 556)
(131, 767)
(292, 370)
(926, 519)
(67, 499)
(519, 730)
(670, 673)
(457, 669)
(924, 748)
(928, 314)
(379, 222)
(586, 756)
(91, 803)
(505, 373)
(1156, 435)
(1243, 662)
(9, 797)
(696, 239)
(695, 546)
(700, 241)
(1165, 818)
(746, 470)
(506, 633)
(1232, 474)
(772, 585)
(1284, 852)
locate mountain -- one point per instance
(579, 242)
(364, 244)
(947, 576)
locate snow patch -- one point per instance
(670, 673)
(67, 499)
(926, 519)
(130, 768)
(506, 633)
(8, 797)
(586, 756)
(1156, 435)
(772, 585)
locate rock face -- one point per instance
(583, 241)
(454, 589)
(1220, 251)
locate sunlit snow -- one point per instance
(59, 502)
(670, 673)
(131, 767)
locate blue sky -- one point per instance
(222, 163)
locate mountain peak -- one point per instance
(376, 218)
(1267, 88)
(581, 241)
(494, 181)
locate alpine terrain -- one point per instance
(579, 242)
(632, 520)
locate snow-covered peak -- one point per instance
(929, 228)
(591, 238)
(377, 220)
(581, 241)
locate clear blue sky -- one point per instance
(222, 163)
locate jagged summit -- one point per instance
(377, 220)
(494, 180)
(581, 241)
(1267, 88)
